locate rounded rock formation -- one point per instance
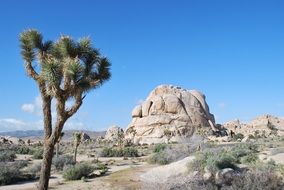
(114, 134)
(169, 114)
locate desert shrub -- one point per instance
(78, 171)
(167, 154)
(225, 158)
(221, 161)
(7, 156)
(18, 149)
(159, 158)
(62, 161)
(159, 147)
(200, 161)
(261, 176)
(250, 158)
(23, 150)
(102, 167)
(21, 163)
(37, 153)
(238, 136)
(9, 173)
(245, 153)
(34, 170)
(130, 152)
(120, 152)
(213, 161)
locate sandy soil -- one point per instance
(122, 175)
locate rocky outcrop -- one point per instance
(85, 137)
(169, 114)
(114, 134)
(264, 126)
(11, 140)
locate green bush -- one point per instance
(9, 173)
(200, 161)
(213, 161)
(34, 170)
(225, 158)
(21, 163)
(165, 154)
(238, 136)
(120, 152)
(159, 147)
(250, 158)
(102, 167)
(261, 176)
(7, 156)
(38, 153)
(130, 152)
(245, 153)
(23, 150)
(78, 171)
(62, 161)
(159, 158)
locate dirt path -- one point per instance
(119, 177)
(123, 178)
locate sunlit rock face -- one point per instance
(169, 114)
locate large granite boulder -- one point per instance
(169, 114)
(114, 134)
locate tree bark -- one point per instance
(75, 153)
(46, 165)
(57, 149)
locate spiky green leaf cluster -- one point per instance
(66, 65)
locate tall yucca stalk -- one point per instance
(63, 70)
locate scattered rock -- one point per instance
(224, 176)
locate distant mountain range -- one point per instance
(39, 134)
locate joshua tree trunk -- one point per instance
(48, 145)
(46, 165)
(75, 154)
(50, 138)
(57, 149)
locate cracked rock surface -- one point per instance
(169, 114)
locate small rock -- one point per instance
(224, 176)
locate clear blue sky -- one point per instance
(231, 50)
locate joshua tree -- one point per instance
(77, 137)
(64, 70)
(58, 142)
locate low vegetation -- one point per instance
(165, 154)
(37, 153)
(63, 161)
(7, 156)
(9, 173)
(33, 170)
(120, 152)
(217, 159)
(263, 176)
(78, 171)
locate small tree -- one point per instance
(64, 70)
(168, 134)
(77, 139)
(58, 143)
